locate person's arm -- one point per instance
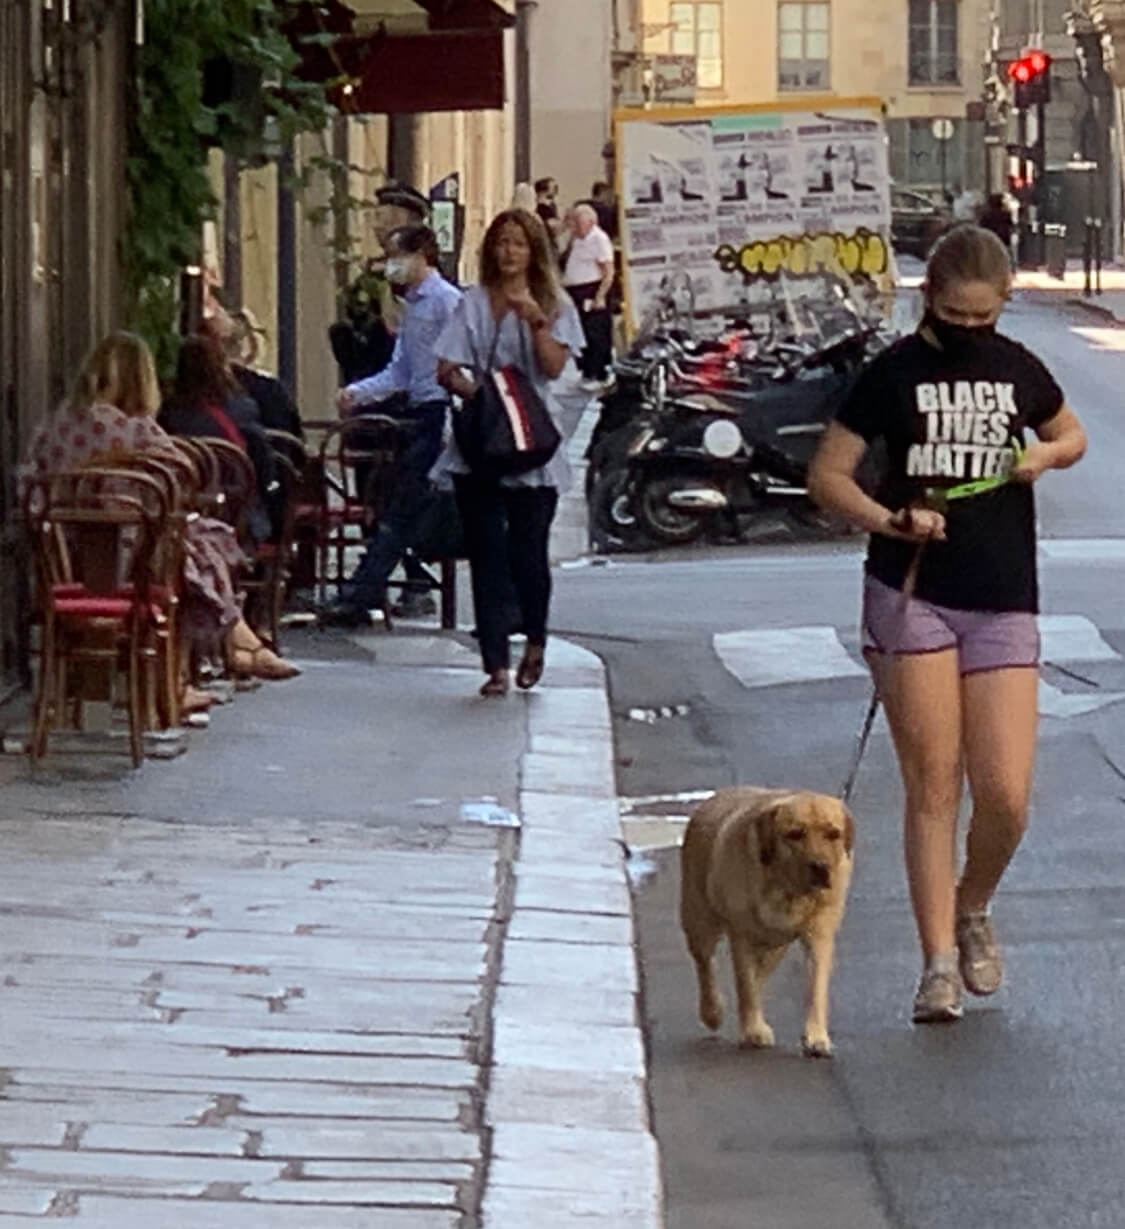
(394, 378)
(550, 354)
(832, 486)
(452, 377)
(606, 269)
(1061, 444)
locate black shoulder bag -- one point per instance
(505, 427)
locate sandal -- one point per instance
(531, 668)
(195, 701)
(261, 663)
(496, 685)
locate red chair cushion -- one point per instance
(93, 607)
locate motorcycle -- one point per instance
(719, 431)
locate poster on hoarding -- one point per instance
(734, 196)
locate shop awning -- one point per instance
(423, 55)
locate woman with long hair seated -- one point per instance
(109, 413)
(207, 400)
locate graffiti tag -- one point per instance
(861, 252)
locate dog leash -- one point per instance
(936, 500)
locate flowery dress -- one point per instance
(70, 438)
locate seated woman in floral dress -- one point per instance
(111, 412)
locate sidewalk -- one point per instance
(287, 980)
(1110, 304)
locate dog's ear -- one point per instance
(766, 827)
(849, 831)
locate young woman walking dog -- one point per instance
(951, 592)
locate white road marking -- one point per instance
(1083, 549)
(775, 656)
(1073, 638)
(1056, 703)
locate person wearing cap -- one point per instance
(412, 259)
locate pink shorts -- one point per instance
(984, 640)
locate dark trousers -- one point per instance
(597, 324)
(396, 529)
(506, 532)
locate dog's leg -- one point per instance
(819, 949)
(753, 1031)
(702, 941)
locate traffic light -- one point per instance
(1031, 76)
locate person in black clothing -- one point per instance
(970, 419)
(236, 334)
(547, 195)
(997, 217)
(206, 400)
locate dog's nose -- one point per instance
(820, 873)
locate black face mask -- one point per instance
(958, 340)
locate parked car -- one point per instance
(916, 222)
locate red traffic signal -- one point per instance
(1031, 75)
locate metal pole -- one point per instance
(524, 9)
(942, 144)
(286, 271)
(1024, 229)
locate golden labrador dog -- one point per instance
(765, 867)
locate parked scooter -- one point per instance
(718, 434)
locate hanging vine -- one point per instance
(211, 73)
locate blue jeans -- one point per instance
(396, 529)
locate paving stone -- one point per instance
(558, 927)
(171, 1174)
(567, 708)
(265, 1096)
(391, 1171)
(102, 1212)
(505, 1207)
(357, 1194)
(24, 1200)
(369, 1141)
(543, 891)
(575, 872)
(546, 847)
(161, 1062)
(191, 1140)
(532, 962)
(597, 1048)
(571, 772)
(316, 1101)
(586, 813)
(32, 1126)
(623, 1165)
(567, 1099)
(576, 1004)
(101, 1105)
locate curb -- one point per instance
(572, 1143)
(1096, 309)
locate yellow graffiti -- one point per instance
(862, 252)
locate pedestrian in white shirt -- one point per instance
(588, 276)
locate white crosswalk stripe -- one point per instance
(781, 656)
(773, 656)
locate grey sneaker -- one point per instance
(982, 965)
(938, 998)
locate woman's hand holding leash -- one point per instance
(919, 525)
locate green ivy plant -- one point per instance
(178, 115)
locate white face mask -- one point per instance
(398, 269)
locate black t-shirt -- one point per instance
(948, 419)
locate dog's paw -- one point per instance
(817, 1047)
(757, 1037)
(711, 1012)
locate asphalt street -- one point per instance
(741, 664)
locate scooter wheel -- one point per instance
(614, 525)
(657, 517)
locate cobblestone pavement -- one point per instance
(198, 1021)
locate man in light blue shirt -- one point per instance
(412, 258)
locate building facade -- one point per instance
(924, 59)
